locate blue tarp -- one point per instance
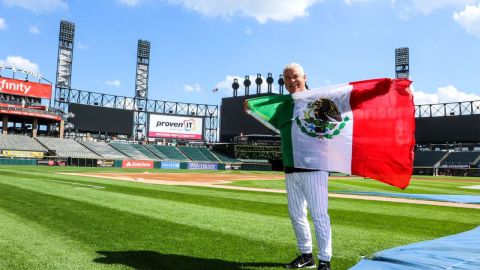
(432, 197)
(455, 252)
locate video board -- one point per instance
(95, 119)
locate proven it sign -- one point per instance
(142, 164)
(25, 88)
(178, 127)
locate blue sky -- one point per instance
(200, 45)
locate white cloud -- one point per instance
(407, 8)
(262, 11)
(192, 88)
(115, 83)
(130, 3)
(469, 18)
(3, 24)
(82, 46)
(428, 6)
(20, 62)
(443, 95)
(34, 30)
(350, 2)
(38, 6)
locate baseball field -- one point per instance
(93, 218)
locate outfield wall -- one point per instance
(135, 164)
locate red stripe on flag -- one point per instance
(383, 130)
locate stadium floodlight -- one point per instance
(402, 65)
(141, 78)
(66, 39)
(235, 86)
(281, 83)
(141, 86)
(247, 84)
(258, 82)
(65, 54)
(269, 82)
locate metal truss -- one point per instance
(210, 113)
(448, 109)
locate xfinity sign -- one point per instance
(25, 88)
(178, 127)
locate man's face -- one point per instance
(294, 80)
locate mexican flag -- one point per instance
(363, 128)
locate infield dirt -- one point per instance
(218, 180)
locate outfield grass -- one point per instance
(52, 221)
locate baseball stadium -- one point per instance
(90, 180)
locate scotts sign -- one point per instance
(143, 164)
(25, 88)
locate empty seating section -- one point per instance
(20, 143)
(131, 151)
(465, 158)
(104, 150)
(196, 154)
(427, 158)
(208, 154)
(67, 148)
(144, 151)
(169, 152)
(225, 158)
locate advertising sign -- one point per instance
(170, 165)
(105, 163)
(142, 164)
(25, 88)
(177, 127)
(12, 153)
(39, 114)
(202, 166)
(52, 162)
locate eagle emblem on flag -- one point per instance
(321, 119)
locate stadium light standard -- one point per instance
(281, 83)
(235, 87)
(247, 84)
(402, 65)
(269, 82)
(258, 82)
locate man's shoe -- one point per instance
(323, 265)
(302, 261)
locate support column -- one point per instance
(61, 128)
(34, 127)
(5, 124)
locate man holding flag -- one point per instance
(364, 128)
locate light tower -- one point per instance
(141, 89)
(64, 63)
(402, 65)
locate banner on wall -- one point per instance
(202, 166)
(170, 165)
(11, 153)
(139, 164)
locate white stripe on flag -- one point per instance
(326, 154)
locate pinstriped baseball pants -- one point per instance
(310, 189)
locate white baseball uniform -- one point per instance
(310, 189)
